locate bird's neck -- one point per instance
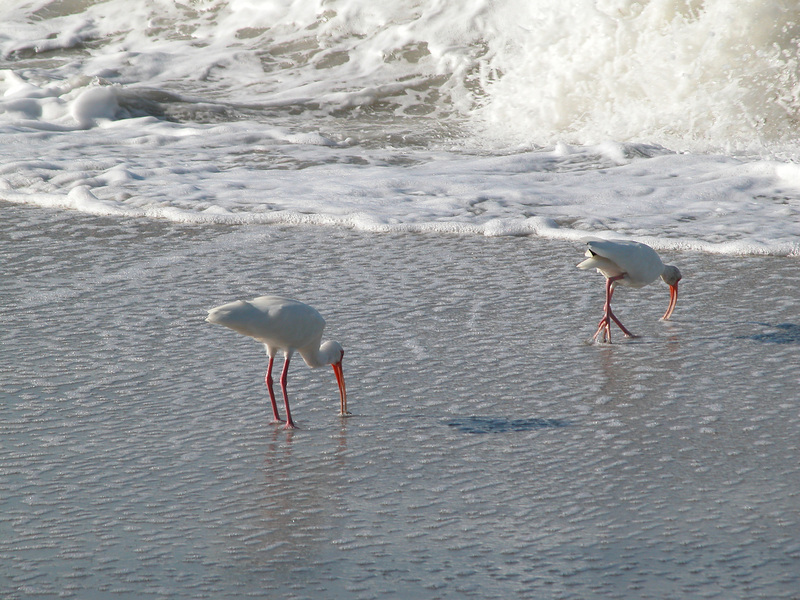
(313, 357)
(317, 355)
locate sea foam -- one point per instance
(665, 121)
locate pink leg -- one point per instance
(268, 379)
(289, 423)
(604, 326)
(621, 326)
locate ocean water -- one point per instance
(423, 173)
(673, 122)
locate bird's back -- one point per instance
(279, 322)
(640, 262)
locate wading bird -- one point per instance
(289, 326)
(631, 264)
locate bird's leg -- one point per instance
(603, 327)
(605, 323)
(621, 326)
(289, 423)
(268, 380)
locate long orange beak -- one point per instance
(673, 299)
(337, 369)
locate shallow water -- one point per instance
(493, 451)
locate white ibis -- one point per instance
(631, 264)
(286, 325)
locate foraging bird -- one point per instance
(286, 325)
(631, 264)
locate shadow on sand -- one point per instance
(784, 333)
(501, 425)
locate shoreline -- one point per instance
(493, 450)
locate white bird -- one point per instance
(289, 326)
(631, 264)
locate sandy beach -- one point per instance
(493, 451)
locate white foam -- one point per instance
(210, 174)
(94, 103)
(510, 118)
(719, 76)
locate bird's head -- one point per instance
(671, 276)
(333, 353)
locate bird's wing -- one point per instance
(638, 261)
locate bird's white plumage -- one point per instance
(639, 262)
(630, 264)
(287, 325)
(279, 323)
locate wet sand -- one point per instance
(493, 452)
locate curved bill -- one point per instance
(337, 369)
(673, 299)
